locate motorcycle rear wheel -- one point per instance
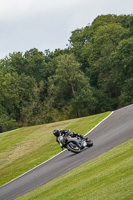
(73, 147)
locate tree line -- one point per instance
(93, 74)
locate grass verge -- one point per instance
(110, 176)
(24, 148)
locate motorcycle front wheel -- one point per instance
(89, 143)
(73, 147)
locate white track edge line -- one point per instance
(56, 154)
(99, 123)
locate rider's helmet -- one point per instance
(56, 132)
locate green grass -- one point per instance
(108, 177)
(25, 148)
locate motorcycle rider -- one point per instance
(62, 134)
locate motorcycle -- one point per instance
(75, 144)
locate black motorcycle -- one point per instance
(75, 144)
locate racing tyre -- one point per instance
(73, 147)
(89, 143)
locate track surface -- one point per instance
(116, 129)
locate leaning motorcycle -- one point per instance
(75, 144)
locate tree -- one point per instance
(122, 58)
(16, 92)
(122, 69)
(70, 88)
(126, 97)
(17, 63)
(103, 20)
(35, 64)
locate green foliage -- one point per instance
(102, 53)
(122, 58)
(7, 122)
(90, 76)
(104, 20)
(71, 88)
(126, 97)
(16, 92)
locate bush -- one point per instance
(7, 123)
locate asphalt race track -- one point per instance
(116, 129)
